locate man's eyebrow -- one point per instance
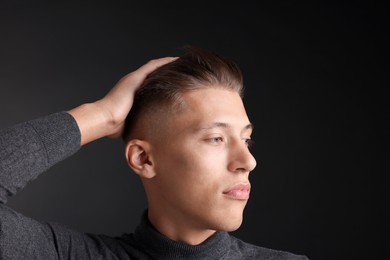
(223, 125)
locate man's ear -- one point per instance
(139, 158)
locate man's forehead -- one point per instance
(212, 100)
(207, 109)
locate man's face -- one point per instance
(202, 161)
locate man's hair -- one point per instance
(195, 69)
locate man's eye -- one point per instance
(215, 140)
(248, 142)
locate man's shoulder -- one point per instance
(251, 251)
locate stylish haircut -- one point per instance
(195, 69)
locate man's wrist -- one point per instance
(93, 121)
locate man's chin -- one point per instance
(230, 225)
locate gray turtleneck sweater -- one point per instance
(30, 148)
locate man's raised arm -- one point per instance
(30, 148)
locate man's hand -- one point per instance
(106, 117)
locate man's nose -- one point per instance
(241, 159)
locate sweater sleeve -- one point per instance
(30, 148)
(26, 150)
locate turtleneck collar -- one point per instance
(160, 247)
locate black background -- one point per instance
(313, 91)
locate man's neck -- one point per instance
(178, 229)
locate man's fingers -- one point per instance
(137, 76)
(154, 64)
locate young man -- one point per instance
(187, 136)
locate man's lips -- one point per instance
(239, 191)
